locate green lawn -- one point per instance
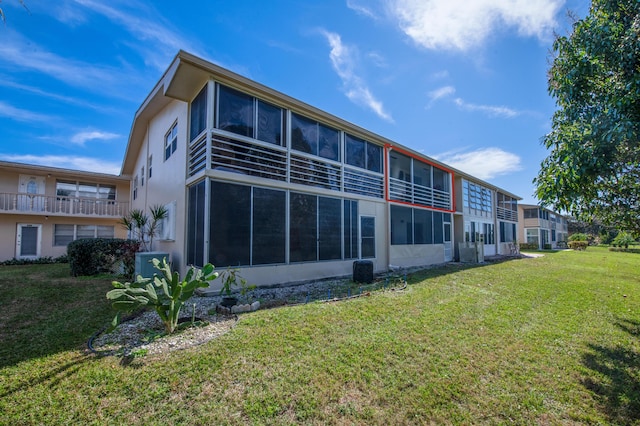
(551, 340)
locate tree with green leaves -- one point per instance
(593, 168)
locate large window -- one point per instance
(507, 207)
(530, 213)
(198, 121)
(507, 232)
(315, 228)
(417, 226)
(533, 236)
(363, 154)
(195, 224)
(314, 138)
(64, 234)
(476, 197)
(247, 225)
(73, 189)
(245, 115)
(417, 182)
(269, 226)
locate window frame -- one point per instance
(255, 104)
(171, 141)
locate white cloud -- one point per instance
(361, 8)
(442, 92)
(66, 162)
(484, 163)
(160, 41)
(82, 137)
(25, 54)
(6, 81)
(378, 60)
(490, 110)
(463, 25)
(343, 59)
(19, 114)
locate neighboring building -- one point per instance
(542, 227)
(42, 209)
(255, 179)
(486, 214)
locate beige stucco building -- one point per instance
(42, 209)
(542, 227)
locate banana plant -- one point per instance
(165, 292)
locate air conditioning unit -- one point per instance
(144, 266)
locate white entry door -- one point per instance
(448, 252)
(28, 240)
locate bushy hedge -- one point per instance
(38, 261)
(528, 246)
(578, 245)
(92, 256)
(625, 250)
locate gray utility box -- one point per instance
(144, 266)
(471, 252)
(363, 271)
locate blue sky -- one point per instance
(463, 81)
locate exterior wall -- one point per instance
(416, 255)
(45, 209)
(230, 159)
(9, 228)
(479, 217)
(167, 183)
(544, 229)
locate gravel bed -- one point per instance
(143, 334)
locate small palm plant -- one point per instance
(165, 293)
(143, 228)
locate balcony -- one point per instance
(507, 214)
(15, 203)
(408, 192)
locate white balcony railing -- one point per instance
(60, 206)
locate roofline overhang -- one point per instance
(60, 172)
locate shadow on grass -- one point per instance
(45, 311)
(50, 377)
(616, 377)
(48, 312)
(332, 289)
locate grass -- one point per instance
(550, 340)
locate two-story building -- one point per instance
(486, 214)
(286, 192)
(542, 227)
(42, 209)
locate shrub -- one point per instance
(547, 246)
(94, 255)
(164, 292)
(578, 245)
(578, 236)
(37, 261)
(624, 250)
(623, 239)
(528, 246)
